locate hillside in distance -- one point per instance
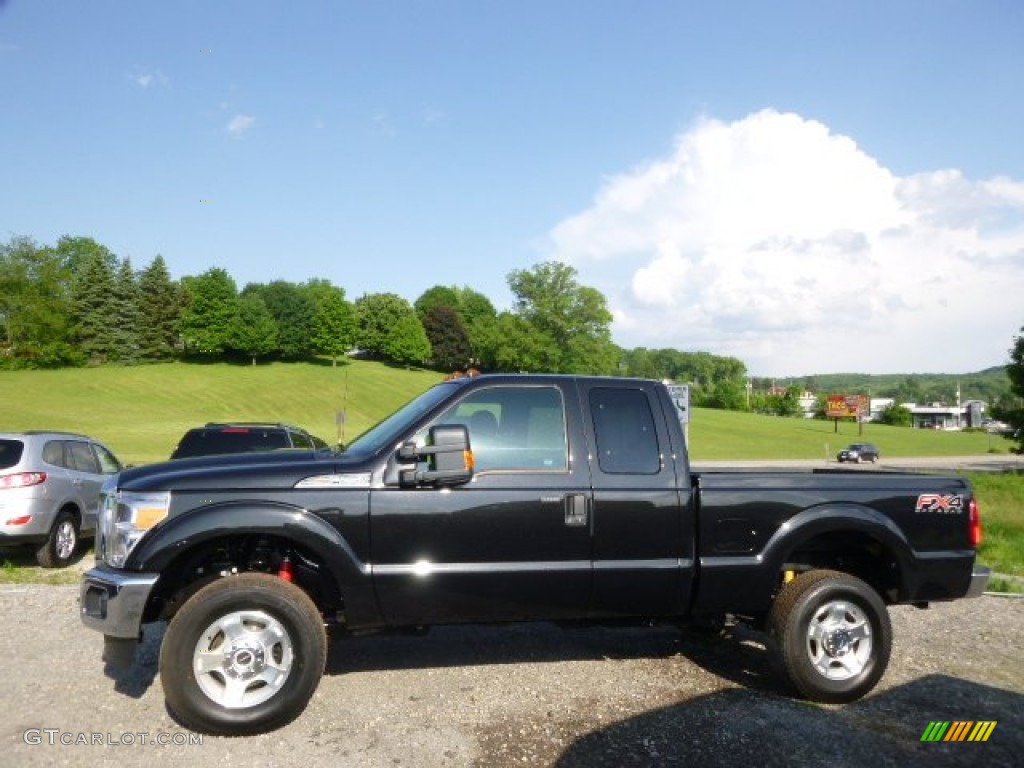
(989, 385)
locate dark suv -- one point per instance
(244, 437)
(858, 452)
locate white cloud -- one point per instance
(239, 124)
(148, 79)
(776, 241)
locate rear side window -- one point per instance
(627, 441)
(10, 453)
(53, 453)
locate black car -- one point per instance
(244, 437)
(858, 452)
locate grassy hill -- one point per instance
(142, 411)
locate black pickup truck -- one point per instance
(502, 499)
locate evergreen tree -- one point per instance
(95, 308)
(159, 312)
(124, 346)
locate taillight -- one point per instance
(22, 479)
(23, 520)
(974, 523)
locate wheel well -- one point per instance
(231, 555)
(855, 553)
(72, 509)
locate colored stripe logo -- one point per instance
(959, 730)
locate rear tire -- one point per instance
(832, 634)
(61, 543)
(244, 655)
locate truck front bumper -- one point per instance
(113, 601)
(979, 580)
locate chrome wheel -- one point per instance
(242, 659)
(839, 640)
(65, 540)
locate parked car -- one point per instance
(49, 491)
(244, 437)
(858, 452)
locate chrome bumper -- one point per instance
(979, 580)
(114, 601)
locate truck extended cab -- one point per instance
(500, 499)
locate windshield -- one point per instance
(387, 432)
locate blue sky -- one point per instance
(809, 186)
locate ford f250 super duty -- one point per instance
(502, 499)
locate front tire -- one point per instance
(61, 543)
(833, 635)
(244, 655)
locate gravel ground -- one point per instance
(534, 695)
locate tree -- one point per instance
(95, 307)
(208, 319)
(124, 343)
(76, 252)
(572, 320)
(334, 322)
(376, 315)
(449, 342)
(253, 331)
(1015, 371)
(159, 302)
(407, 342)
(293, 310)
(896, 415)
(432, 298)
(35, 307)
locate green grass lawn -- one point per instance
(142, 411)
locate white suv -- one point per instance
(49, 491)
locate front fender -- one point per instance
(184, 532)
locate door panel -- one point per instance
(512, 544)
(642, 518)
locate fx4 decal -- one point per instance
(953, 504)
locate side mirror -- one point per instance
(448, 455)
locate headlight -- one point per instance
(124, 518)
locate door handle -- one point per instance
(576, 509)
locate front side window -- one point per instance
(108, 463)
(627, 441)
(515, 429)
(81, 458)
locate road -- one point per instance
(982, 463)
(533, 695)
